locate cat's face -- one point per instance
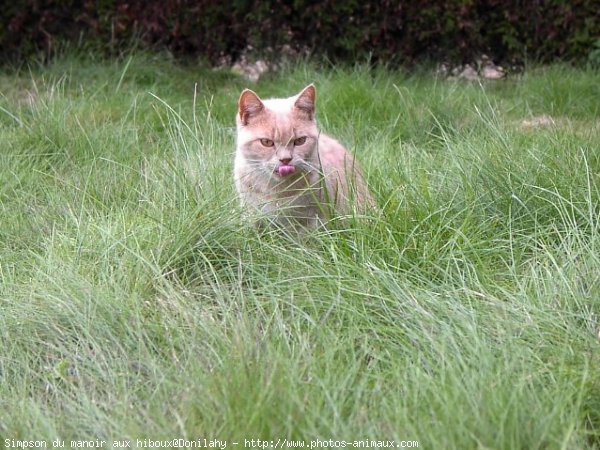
(278, 138)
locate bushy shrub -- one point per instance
(399, 31)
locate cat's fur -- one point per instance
(286, 169)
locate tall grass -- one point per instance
(135, 302)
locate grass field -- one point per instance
(136, 303)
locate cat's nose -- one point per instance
(285, 161)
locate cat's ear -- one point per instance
(249, 105)
(305, 101)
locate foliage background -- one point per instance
(397, 32)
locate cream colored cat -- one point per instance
(286, 169)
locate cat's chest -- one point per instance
(298, 197)
(274, 187)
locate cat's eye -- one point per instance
(300, 141)
(267, 142)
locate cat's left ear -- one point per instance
(305, 101)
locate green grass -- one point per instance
(135, 302)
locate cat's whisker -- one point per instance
(266, 171)
(311, 167)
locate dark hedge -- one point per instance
(395, 32)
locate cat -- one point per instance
(287, 170)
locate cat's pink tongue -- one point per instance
(285, 169)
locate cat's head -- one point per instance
(278, 136)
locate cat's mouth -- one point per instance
(285, 170)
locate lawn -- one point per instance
(137, 303)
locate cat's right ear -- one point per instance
(305, 101)
(249, 106)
